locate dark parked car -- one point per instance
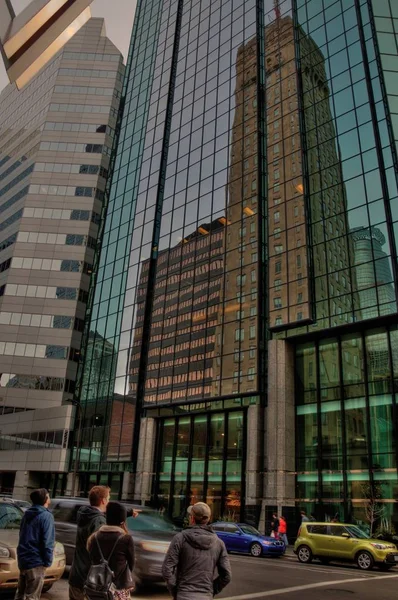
(152, 534)
(240, 537)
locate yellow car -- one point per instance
(341, 542)
(10, 520)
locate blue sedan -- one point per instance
(239, 537)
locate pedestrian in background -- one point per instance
(274, 526)
(192, 558)
(304, 518)
(89, 519)
(114, 543)
(283, 530)
(36, 546)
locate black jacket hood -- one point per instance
(86, 514)
(33, 512)
(200, 536)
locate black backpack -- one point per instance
(99, 583)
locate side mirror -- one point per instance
(345, 535)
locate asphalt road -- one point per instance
(285, 578)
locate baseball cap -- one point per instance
(200, 511)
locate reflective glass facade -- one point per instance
(252, 214)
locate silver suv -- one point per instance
(151, 531)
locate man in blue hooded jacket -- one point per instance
(36, 546)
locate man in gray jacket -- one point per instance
(193, 557)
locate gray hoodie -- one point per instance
(196, 564)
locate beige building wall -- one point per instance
(56, 137)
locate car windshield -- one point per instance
(10, 516)
(249, 529)
(356, 532)
(150, 521)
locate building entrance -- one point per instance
(201, 458)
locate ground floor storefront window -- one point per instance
(346, 424)
(200, 458)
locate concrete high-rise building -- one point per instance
(246, 285)
(56, 137)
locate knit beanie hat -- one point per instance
(116, 513)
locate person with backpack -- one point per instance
(111, 551)
(89, 519)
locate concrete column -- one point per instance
(279, 480)
(25, 483)
(146, 457)
(69, 485)
(128, 486)
(254, 457)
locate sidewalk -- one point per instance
(289, 553)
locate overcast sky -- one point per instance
(118, 14)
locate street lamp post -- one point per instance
(28, 41)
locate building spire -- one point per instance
(277, 9)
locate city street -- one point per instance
(257, 578)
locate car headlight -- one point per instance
(4, 552)
(58, 549)
(379, 546)
(160, 547)
(265, 543)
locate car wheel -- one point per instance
(384, 567)
(304, 554)
(365, 560)
(255, 549)
(47, 588)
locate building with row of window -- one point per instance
(56, 137)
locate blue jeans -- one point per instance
(283, 537)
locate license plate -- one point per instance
(396, 558)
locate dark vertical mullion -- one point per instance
(243, 466)
(305, 169)
(158, 456)
(343, 430)
(173, 465)
(319, 424)
(262, 215)
(190, 453)
(367, 412)
(379, 146)
(146, 326)
(224, 463)
(206, 462)
(394, 398)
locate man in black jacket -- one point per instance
(89, 520)
(193, 556)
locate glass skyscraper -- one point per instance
(242, 341)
